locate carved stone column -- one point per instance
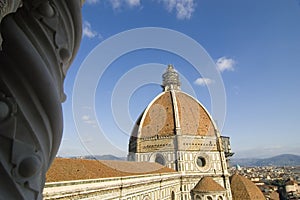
(8, 6)
(40, 41)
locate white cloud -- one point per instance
(133, 3)
(203, 81)
(92, 1)
(184, 8)
(116, 4)
(86, 119)
(225, 63)
(87, 31)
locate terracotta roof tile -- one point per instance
(194, 120)
(158, 119)
(291, 182)
(136, 167)
(64, 169)
(207, 184)
(244, 189)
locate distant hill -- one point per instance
(101, 157)
(280, 160)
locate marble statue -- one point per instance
(39, 41)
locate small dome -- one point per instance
(207, 184)
(243, 188)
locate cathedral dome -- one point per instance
(176, 131)
(174, 112)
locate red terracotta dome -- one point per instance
(174, 112)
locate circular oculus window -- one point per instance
(201, 161)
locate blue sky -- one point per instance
(255, 47)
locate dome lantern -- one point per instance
(171, 79)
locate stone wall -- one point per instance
(167, 186)
(141, 187)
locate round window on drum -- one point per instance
(201, 162)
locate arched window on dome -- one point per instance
(160, 159)
(172, 195)
(146, 198)
(197, 197)
(209, 198)
(220, 198)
